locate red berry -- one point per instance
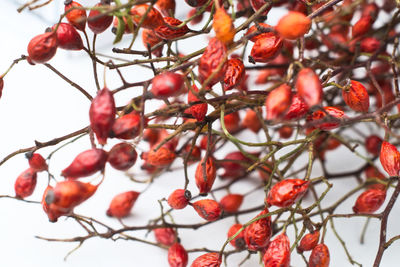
(122, 204)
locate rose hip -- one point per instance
(167, 84)
(68, 37)
(179, 199)
(278, 252)
(165, 236)
(177, 256)
(390, 158)
(211, 259)
(122, 156)
(286, 192)
(121, 205)
(77, 16)
(25, 183)
(238, 242)
(319, 256)
(36, 162)
(101, 22)
(208, 209)
(258, 234)
(231, 202)
(86, 163)
(43, 47)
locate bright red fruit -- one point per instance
(152, 20)
(320, 115)
(101, 23)
(122, 156)
(251, 121)
(258, 234)
(235, 73)
(165, 236)
(356, 97)
(43, 47)
(286, 192)
(68, 37)
(168, 32)
(86, 163)
(232, 122)
(238, 242)
(213, 57)
(231, 202)
(25, 183)
(65, 196)
(211, 259)
(149, 38)
(267, 47)
(127, 126)
(162, 157)
(102, 114)
(390, 158)
(208, 209)
(370, 201)
(167, 84)
(198, 111)
(309, 241)
(293, 25)
(179, 199)
(177, 256)
(205, 180)
(77, 17)
(278, 101)
(373, 144)
(362, 26)
(298, 108)
(319, 256)
(122, 204)
(278, 252)
(36, 162)
(309, 87)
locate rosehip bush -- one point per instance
(259, 120)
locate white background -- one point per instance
(37, 105)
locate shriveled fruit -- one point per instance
(238, 242)
(179, 199)
(319, 256)
(356, 97)
(167, 84)
(258, 234)
(205, 178)
(235, 73)
(169, 29)
(278, 252)
(86, 163)
(309, 87)
(122, 204)
(211, 259)
(122, 156)
(266, 47)
(309, 241)
(286, 192)
(293, 25)
(390, 158)
(43, 47)
(212, 62)
(102, 114)
(198, 111)
(208, 209)
(25, 183)
(231, 202)
(278, 101)
(369, 201)
(152, 20)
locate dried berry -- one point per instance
(308, 242)
(208, 209)
(36, 162)
(179, 199)
(25, 183)
(162, 157)
(234, 165)
(373, 144)
(266, 47)
(238, 242)
(390, 158)
(43, 47)
(258, 234)
(369, 201)
(286, 192)
(211, 259)
(77, 16)
(297, 109)
(169, 30)
(167, 84)
(369, 45)
(293, 25)
(122, 156)
(285, 132)
(356, 97)
(165, 236)
(232, 122)
(278, 101)
(278, 252)
(319, 116)
(231, 202)
(235, 73)
(223, 26)
(102, 114)
(177, 256)
(68, 37)
(205, 179)
(319, 256)
(86, 163)
(309, 87)
(99, 23)
(65, 196)
(251, 121)
(198, 111)
(212, 62)
(122, 204)
(152, 20)
(167, 7)
(149, 38)
(362, 26)
(127, 126)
